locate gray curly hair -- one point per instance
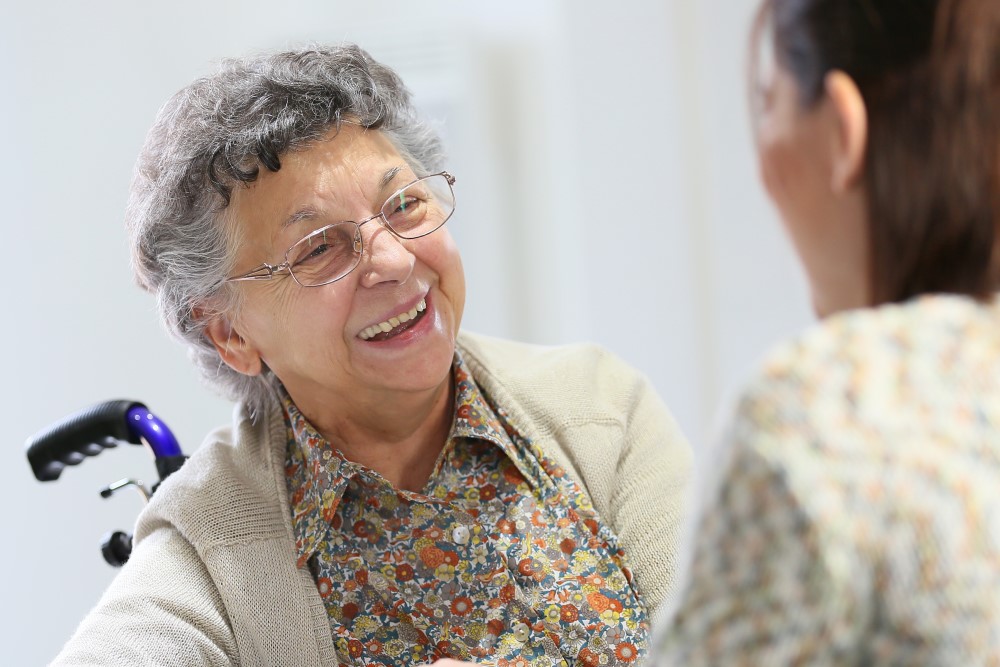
(216, 134)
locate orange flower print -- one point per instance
(374, 647)
(361, 528)
(461, 606)
(615, 605)
(488, 492)
(567, 546)
(568, 613)
(626, 652)
(507, 593)
(592, 525)
(355, 648)
(506, 526)
(526, 567)
(325, 586)
(361, 576)
(404, 572)
(494, 627)
(451, 558)
(516, 662)
(350, 610)
(589, 658)
(598, 602)
(513, 475)
(442, 650)
(432, 556)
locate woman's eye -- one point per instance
(405, 205)
(317, 251)
(325, 245)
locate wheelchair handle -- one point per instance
(92, 430)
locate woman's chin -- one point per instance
(415, 359)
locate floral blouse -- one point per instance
(858, 519)
(500, 560)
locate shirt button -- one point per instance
(521, 633)
(460, 535)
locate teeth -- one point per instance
(393, 322)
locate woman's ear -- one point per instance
(238, 353)
(851, 135)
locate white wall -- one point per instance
(607, 192)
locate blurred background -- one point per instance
(607, 191)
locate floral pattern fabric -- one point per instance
(500, 560)
(858, 519)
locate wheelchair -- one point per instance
(89, 432)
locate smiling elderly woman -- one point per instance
(391, 491)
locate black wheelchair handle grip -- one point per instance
(85, 433)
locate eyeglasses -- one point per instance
(330, 253)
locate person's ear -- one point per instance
(238, 353)
(851, 132)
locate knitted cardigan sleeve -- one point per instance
(649, 492)
(161, 609)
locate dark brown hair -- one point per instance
(929, 73)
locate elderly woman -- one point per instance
(391, 491)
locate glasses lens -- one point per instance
(421, 207)
(326, 255)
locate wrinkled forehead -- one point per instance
(345, 175)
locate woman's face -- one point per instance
(802, 158)
(311, 337)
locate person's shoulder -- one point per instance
(225, 479)
(219, 455)
(873, 370)
(529, 362)
(924, 329)
(554, 387)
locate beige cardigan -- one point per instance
(213, 579)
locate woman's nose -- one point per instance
(385, 258)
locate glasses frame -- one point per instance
(267, 271)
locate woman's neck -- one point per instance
(399, 436)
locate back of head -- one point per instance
(929, 74)
(216, 134)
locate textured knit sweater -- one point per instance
(858, 521)
(213, 578)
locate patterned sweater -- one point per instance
(858, 517)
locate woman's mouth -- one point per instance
(395, 325)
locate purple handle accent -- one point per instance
(144, 424)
